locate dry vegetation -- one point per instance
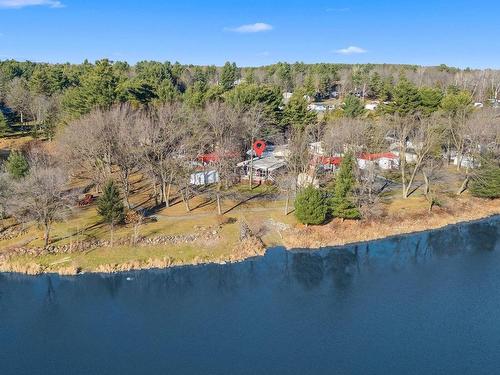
(401, 216)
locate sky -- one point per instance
(253, 32)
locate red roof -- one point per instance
(215, 156)
(387, 155)
(328, 160)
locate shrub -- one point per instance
(310, 206)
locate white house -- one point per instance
(317, 107)
(465, 162)
(384, 160)
(371, 106)
(264, 168)
(204, 178)
(316, 148)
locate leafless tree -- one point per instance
(42, 196)
(18, 97)
(426, 138)
(87, 146)
(226, 140)
(402, 128)
(161, 134)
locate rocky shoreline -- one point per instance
(336, 233)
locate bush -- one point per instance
(486, 182)
(17, 165)
(310, 206)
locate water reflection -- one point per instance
(302, 306)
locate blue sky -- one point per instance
(253, 32)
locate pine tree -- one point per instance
(342, 205)
(17, 165)
(310, 206)
(110, 206)
(430, 99)
(353, 106)
(228, 75)
(406, 98)
(296, 113)
(486, 182)
(4, 127)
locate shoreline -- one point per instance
(294, 239)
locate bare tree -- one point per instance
(402, 128)
(225, 140)
(18, 97)
(87, 146)
(161, 132)
(426, 140)
(42, 196)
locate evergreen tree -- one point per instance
(353, 107)
(310, 206)
(457, 104)
(430, 99)
(110, 206)
(309, 85)
(17, 165)
(4, 126)
(486, 182)
(296, 113)
(228, 76)
(342, 205)
(406, 98)
(246, 96)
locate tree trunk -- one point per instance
(112, 233)
(459, 161)
(410, 182)
(167, 198)
(402, 158)
(46, 235)
(463, 187)
(164, 193)
(155, 192)
(287, 202)
(426, 187)
(186, 200)
(219, 210)
(251, 165)
(126, 188)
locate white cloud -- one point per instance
(17, 4)
(251, 28)
(351, 50)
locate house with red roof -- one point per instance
(384, 160)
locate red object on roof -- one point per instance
(259, 147)
(329, 160)
(213, 157)
(387, 155)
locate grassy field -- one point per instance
(84, 224)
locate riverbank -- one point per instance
(220, 243)
(404, 221)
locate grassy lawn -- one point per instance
(84, 224)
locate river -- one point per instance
(426, 303)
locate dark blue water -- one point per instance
(420, 304)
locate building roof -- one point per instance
(386, 155)
(328, 160)
(270, 163)
(212, 157)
